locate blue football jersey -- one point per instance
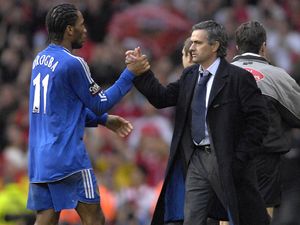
(63, 100)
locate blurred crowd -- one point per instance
(130, 170)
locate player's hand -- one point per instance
(136, 62)
(119, 125)
(132, 55)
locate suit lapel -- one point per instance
(190, 85)
(219, 81)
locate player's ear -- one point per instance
(69, 30)
(263, 49)
(264, 46)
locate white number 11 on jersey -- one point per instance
(37, 93)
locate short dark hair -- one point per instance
(58, 18)
(250, 36)
(187, 45)
(216, 32)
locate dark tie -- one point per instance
(199, 109)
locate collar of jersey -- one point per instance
(59, 46)
(249, 55)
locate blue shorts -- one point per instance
(65, 193)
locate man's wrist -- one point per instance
(127, 74)
(103, 119)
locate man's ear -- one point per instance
(263, 49)
(237, 48)
(216, 46)
(69, 30)
(264, 46)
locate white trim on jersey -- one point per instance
(86, 69)
(84, 66)
(103, 97)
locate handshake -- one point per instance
(136, 62)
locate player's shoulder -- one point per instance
(236, 68)
(77, 64)
(276, 69)
(74, 61)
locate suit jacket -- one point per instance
(236, 123)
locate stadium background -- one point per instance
(130, 171)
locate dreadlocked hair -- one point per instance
(58, 18)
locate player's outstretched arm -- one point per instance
(117, 124)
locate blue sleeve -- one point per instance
(91, 94)
(92, 120)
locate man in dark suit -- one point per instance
(212, 158)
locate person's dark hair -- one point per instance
(216, 32)
(187, 45)
(58, 18)
(250, 36)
